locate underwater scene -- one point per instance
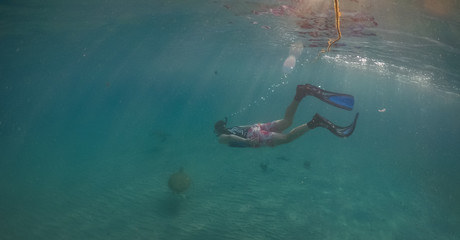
(109, 115)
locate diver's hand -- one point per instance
(252, 142)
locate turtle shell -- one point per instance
(179, 181)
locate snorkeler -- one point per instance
(270, 134)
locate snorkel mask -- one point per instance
(220, 127)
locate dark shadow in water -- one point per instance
(159, 136)
(264, 166)
(306, 164)
(282, 158)
(172, 205)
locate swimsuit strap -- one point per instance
(239, 131)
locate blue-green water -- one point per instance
(101, 101)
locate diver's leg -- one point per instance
(282, 124)
(279, 138)
(297, 132)
(317, 121)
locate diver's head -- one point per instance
(220, 127)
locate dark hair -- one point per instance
(220, 127)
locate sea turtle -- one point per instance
(179, 181)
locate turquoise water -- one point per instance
(100, 102)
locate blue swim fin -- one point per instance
(340, 100)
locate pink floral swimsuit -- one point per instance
(262, 133)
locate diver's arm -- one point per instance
(235, 141)
(245, 126)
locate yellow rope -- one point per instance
(337, 25)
